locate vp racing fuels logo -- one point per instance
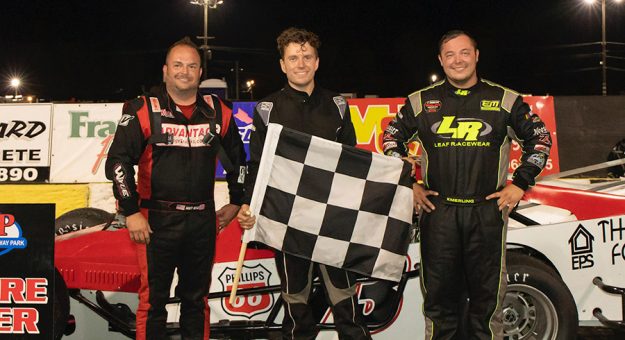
(247, 305)
(464, 131)
(10, 234)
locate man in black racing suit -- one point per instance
(302, 106)
(464, 125)
(174, 137)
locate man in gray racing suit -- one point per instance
(306, 107)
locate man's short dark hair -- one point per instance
(298, 36)
(454, 34)
(186, 41)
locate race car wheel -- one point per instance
(537, 305)
(61, 306)
(80, 219)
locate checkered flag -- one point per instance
(333, 204)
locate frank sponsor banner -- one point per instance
(27, 277)
(82, 136)
(25, 139)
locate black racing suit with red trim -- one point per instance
(324, 114)
(175, 189)
(465, 136)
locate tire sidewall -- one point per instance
(525, 270)
(80, 219)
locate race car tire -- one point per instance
(538, 304)
(80, 219)
(61, 306)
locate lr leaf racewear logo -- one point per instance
(10, 234)
(581, 248)
(247, 305)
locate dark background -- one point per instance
(113, 50)
(588, 127)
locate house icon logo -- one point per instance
(581, 248)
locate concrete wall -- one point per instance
(588, 128)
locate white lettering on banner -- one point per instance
(18, 174)
(245, 133)
(186, 135)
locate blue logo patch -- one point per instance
(10, 234)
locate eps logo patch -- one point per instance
(10, 234)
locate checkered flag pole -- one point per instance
(333, 204)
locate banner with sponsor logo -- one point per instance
(25, 139)
(544, 108)
(243, 113)
(371, 116)
(27, 278)
(82, 136)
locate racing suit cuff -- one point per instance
(129, 207)
(236, 198)
(246, 200)
(520, 182)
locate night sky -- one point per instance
(114, 50)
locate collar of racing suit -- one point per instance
(455, 91)
(301, 95)
(166, 101)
